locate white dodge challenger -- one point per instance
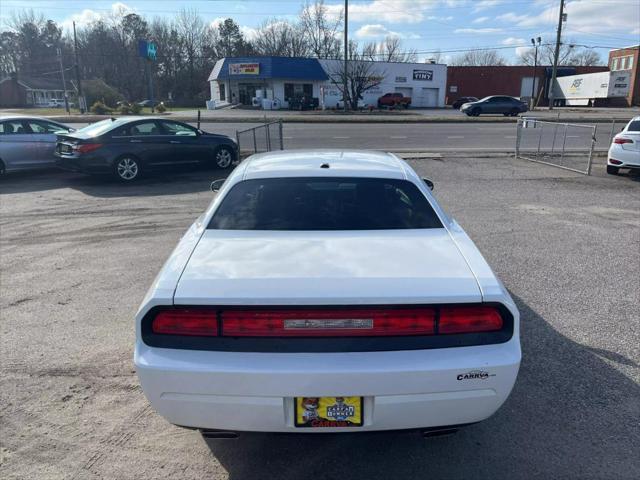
(326, 291)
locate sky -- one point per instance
(448, 26)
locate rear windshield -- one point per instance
(324, 204)
(96, 129)
(634, 126)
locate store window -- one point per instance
(222, 92)
(293, 90)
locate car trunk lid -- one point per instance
(323, 268)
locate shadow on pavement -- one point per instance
(167, 182)
(571, 415)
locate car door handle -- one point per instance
(135, 141)
(174, 141)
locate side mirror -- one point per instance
(428, 183)
(216, 185)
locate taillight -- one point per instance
(186, 322)
(621, 141)
(613, 161)
(469, 319)
(87, 147)
(331, 322)
(328, 323)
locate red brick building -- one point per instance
(515, 81)
(628, 59)
(30, 92)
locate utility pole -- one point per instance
(556, 54)
(346, 51)
(535, 67)
(81, 104)
(64, 85)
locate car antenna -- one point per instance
(324, 165)
(113, 119)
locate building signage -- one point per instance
(401, 79)
(423, 75)
(244, 69)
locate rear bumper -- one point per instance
(255, 391)
(88, 164)
(628, 158)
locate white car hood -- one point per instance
(314, 268)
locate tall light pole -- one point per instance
(561, 18)
(346, 51)
(535, 67)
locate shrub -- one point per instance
(135, 108)
(97, 90)
(100, 108)
(161, 108)
(124, 109)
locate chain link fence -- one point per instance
(263, 138)
(563, 145)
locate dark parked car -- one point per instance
(495, 104)
(126, 148)
(461, 101)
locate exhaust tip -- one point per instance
(218, 434)
(438, 432)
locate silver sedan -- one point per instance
(28, 142)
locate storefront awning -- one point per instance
(264, 68)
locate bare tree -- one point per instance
(481, 58)
(570, 54)
(320, 31)
(280, 38)
(389, 50)
(361, 74)
(434, 57)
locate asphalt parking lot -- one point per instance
(77, 254)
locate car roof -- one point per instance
(311, 163)
(24, 117)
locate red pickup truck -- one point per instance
(393, 100)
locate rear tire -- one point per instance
(514, 112)
(127, 168)
(611, 170)
(224, 157)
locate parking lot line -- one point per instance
(455, 136)
(397, 136)
(341, 137)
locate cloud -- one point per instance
(249, 33)
(88, 16)
(478, 30)
(511, 17)
(480, 20)
(378, 30)
(514, 41)
(485, 4)
(215, 23)
(585, 17)
(393, 11)
(520, 51)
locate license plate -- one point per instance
(315, 412)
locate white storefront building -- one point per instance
(252, 80)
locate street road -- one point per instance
(429, 137)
